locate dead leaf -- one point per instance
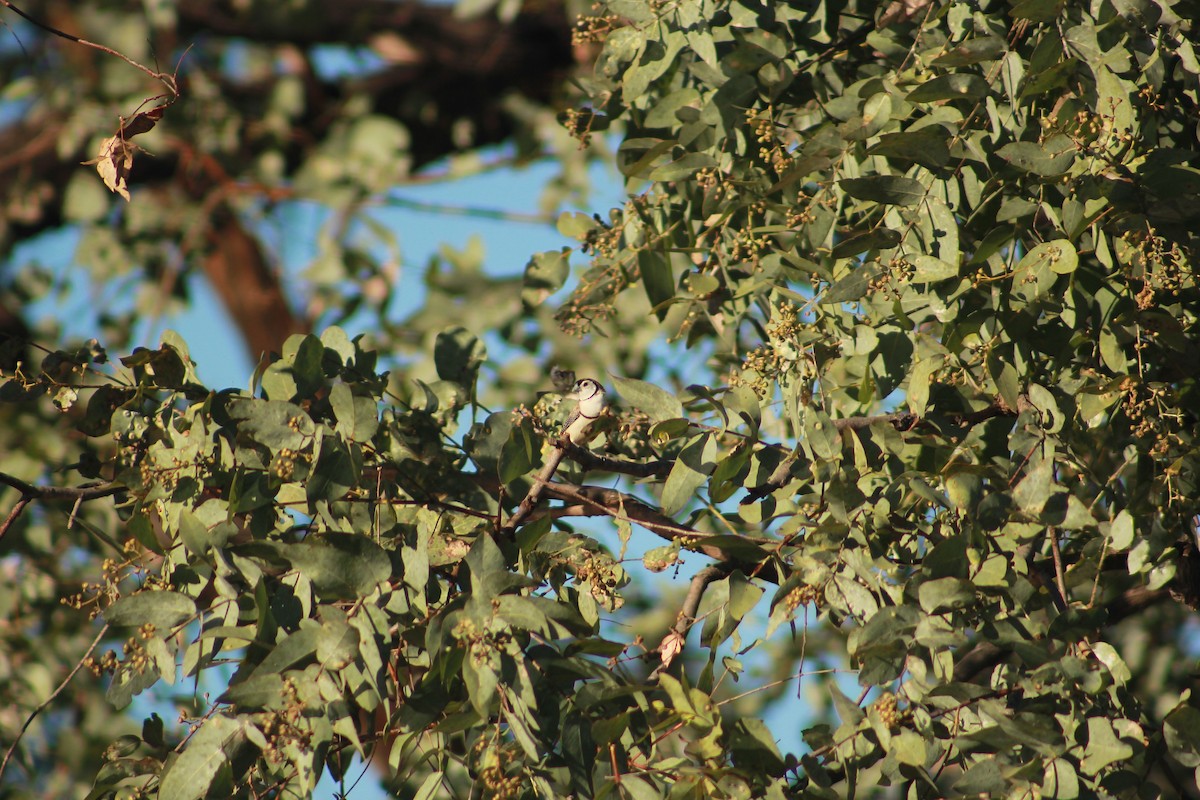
(671, 646)
(113, 164)
(141, 122)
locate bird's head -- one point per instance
(585, 389)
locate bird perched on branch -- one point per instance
(589, 397)
(589, 406)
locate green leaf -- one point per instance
(275, 424)
(162, 609)
(753, 747)
(909, 748)
(340, 565)
(682, 167)
(198, 537)
(256, 692)
(919, 382)
(1059, 255)
(636, 788)
(927, 146)
(932, 270)
(1107, 655)
(848, 711)
(433, 786)
(972, 51)
(358, 417)
(573, 225)
(302, 359)
(1005, 376)
(1037, 10)
(1112, 353)
(481, 680)
(1103, 746)
(657, 278)
(337, 644)
(1035, 488)
(522, 725)
(954, 86)
(885, 189)
(821, 435)
(457, 354)
(1121, 533)
(545, 274)
(651, 399)
(945, 594)
(337, 470)
(689, 472)
(1060, 780)
(335, 340)
(291, 650)
(982, 779)
(872, 240)
(852, 286)
(521, 612)
(1048, 160)
(190, 775)
(649, 149)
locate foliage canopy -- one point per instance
(902, 314)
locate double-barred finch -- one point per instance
(589, 395)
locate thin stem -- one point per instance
(33, 715)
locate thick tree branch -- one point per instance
(248, 287)
(443, 75)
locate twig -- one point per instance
(1059, 576)
(87, 492)
(620, 505)
(42, 707)
(16, 512)
(599, 501)
(164, 78)
(30, 492)
(637, 469)
(901, 421)
(534, 496)
(465, 211)
(673, 642)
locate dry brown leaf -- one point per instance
(671, 646)
(116, 152)
(113, 164)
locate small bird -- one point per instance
(589, 395)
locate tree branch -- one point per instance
(30, 492)
(619, 505)
(534, 496)
(672, 644)
(585, 458)
(166, 79)
(45, 703)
